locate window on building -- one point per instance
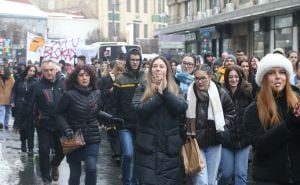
(283, 31)
(118, 28)
(217, 3)
(284, 38)
(136, 31)
(137, 6)
(128, 5)
(210, 4)
(226, 2)
(110, 5)
(117, 3)
(145, 30)
(188, 8)
(244, 1)
(110, 28)
(113, 28)
(113, 4)
(145, 6)
(200, 5)
(159, 7)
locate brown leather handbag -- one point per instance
(69, 145)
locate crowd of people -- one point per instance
(238, 104)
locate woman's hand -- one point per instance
(293, 119)
(296, 110)
(163, 85)
(159, 83)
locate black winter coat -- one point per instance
(158, 141)
(206, 133)
(276, 149)
(42, 100)
(123, 90)
(105, 85)
(236, 136)
(79, 108)
(18, 94)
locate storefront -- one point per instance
(282, 26)
(274, 32)
(191, 43)
(208, 41)
(261, 37)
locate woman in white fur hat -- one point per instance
(272, 124)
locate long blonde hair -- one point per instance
(171, 84)
(268, 112)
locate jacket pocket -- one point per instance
(145, 143)
(173, 145)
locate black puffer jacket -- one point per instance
(276, 149)
(79, 108)
(205, 129)
(158, 142)
(236, 135)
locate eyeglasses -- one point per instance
(187, 64)
(134, 60)
(202, 78)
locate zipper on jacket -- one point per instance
(289, 166)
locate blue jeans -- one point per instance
(208, 175)
(127, 165)
(5, 114)
(88, 154)
(234, 162)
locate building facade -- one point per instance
(129, 20)
(16, 20)
(256, 26)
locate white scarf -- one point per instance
(215, 110)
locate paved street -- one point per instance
(17, 168)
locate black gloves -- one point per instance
(117, 121)
(292, 121)
(69, 134)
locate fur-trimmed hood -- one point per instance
(245, 88)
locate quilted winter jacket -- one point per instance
(158, 141)
(79, 108)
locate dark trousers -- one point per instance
(46, 138)
(27, 138)
(113, 138)
(88, 154)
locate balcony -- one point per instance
(201, 15)
(246, 5)
(209, 12)
(229, 7)
(262, 1)
(216, 10)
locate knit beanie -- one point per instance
(232, 57)
(273, 60)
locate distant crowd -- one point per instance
(235, 106)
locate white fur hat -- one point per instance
(272, 60)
